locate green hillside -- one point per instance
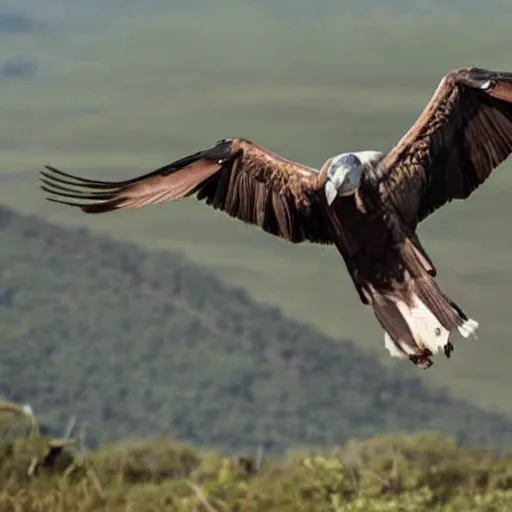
(138, 343)
(145, 89)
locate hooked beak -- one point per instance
(330, 192)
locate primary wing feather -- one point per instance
(244, 180)
(462, 135)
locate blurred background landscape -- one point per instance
(179, 320)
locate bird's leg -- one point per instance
(353, 273)
(360, 291)
(416, 241)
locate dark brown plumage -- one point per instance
(244, 180)
(464, 132)
(367, 204)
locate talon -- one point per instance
(422, 361)
(425, 363)
(448, 349)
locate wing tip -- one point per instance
(90, 197)
(495, 83)
(91, 208)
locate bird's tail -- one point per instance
(418, 321)
(418, 318)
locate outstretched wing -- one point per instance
(462, 135)
(245, 180)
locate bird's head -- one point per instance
(344, 173)
(342, 176)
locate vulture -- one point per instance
(367, 204)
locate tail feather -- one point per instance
(418, 321)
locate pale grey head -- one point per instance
(344, 173)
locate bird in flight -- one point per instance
(367, 204)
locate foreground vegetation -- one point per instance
(392, 473)
(142, 343)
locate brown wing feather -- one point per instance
(243, 179)
(463, 133)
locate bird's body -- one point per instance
(368, 204)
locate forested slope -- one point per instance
(137, 343)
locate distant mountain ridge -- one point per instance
(138, 343)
